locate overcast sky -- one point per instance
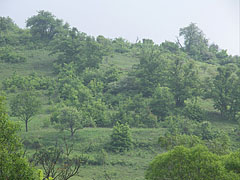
(158, 20)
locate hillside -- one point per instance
(70, 91)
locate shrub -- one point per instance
(8, 55)
(232, 162)
(169, 141)
(194, 112)
(121, 139)
(189, 163)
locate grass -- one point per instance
(37, 61)
(123, 61)
(90, 141)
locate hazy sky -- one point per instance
(158, 20)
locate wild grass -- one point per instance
(90, 141)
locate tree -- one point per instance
(183, 80)
(172, 70)
(196, 45)
(188, 163)
(97, 110)
(24, 106)
(225, 92)
(12, 163)
(7, 24)
(70, 87)
(120, 45)
(121, 139)
(58, 165)
(193, 111)
(68, 118)
(151, 70)
(44, 25)
(77, 48)
(162, 102)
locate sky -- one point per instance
(158, 20)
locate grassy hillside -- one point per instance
(90, 141)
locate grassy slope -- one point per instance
(37, 61)
(130, 165)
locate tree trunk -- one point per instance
(26, 125)
(72, 131)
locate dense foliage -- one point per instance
(189, 163)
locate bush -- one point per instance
(170, 141)
(179, 125)
(8, 55)
(189, 163)
(32, 81)
(121, 139)
(98, 159)
(32, 144)
(232, 162)
(194, 112)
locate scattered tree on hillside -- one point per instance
(44, 25)
(56, 164)
(77, 48)
(68, 118)
(121, 139)
(151, 70)
(226, 92)
(183, 79)
(24, 106)
(162, 102)
(196, 45)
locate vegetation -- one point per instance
(121, 138)
(68, 118)
(189, 163)
(25, 105)
(123, 104)
(12, 164)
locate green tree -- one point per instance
(97, 111)
(106, 44)
(193, 111)
(151, 69)
(173, 70)
(138, 108)
(120, 45)
(70, 87)
(12, 163)
(77, 48)
(24, 106)
(7, 24)
(183, 79)
(188, 163)
(68, 118)
(225, 92)
(162, 102)
(44, 25)
(121, 139)
(196, 45)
